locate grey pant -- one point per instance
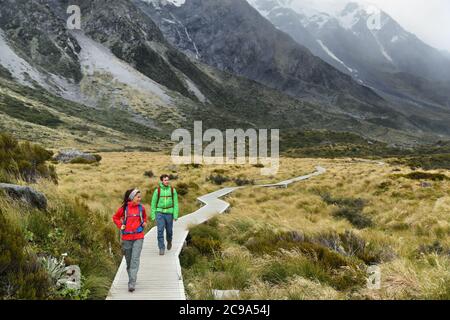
(132, 252)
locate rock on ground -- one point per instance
(69, 155)
(27, 195)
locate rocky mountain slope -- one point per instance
(123, 81)
(369, 45)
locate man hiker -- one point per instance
(131, 219)
(165, 211)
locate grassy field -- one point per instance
(313, 240)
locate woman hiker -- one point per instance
(165, 211)
(131, 219)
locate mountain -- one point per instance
(232, 36)
(367, 44)
(123, 80)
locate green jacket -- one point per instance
(165, 204)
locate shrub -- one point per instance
(436, 248)
(231, 273)
(182, 189)
(417, 175)
(354, 216)
(173, 177)
(193, 165)
(349, 244)
(81, 160)
(193, 186)
(350, 209)
(97, 157)
(242, 181)
(149, 174)
(205, 239)
(280, 270)
(189, 256)
(70, 226)
(218, 179)
(24, 161)
(21, 276)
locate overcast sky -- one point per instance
(428, 19)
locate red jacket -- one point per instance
(132, 222)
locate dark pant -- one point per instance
(132, 252)
(164, 221)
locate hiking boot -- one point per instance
(169, 245)
(161, 252)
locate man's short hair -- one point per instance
(164, 176)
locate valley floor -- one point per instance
(313, 240)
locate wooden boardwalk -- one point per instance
(160, 277)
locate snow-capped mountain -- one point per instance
(138, 69)
(364, 42)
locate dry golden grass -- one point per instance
(404, 214)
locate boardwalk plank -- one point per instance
(160, 277)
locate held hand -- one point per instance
(123, 227)
(145, 225)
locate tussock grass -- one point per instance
(329, 260)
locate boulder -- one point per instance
(27, 195)
(67, 156)
(425, 184)
(226, 294)
(71, 278)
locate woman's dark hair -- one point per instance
(164, 176)
(126, 198)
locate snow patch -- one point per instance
(96, 57)
(332, 55)
(176, 3)
(169, 21)
(195, 90)
(197, 53)
(382, 49)
(348, 20)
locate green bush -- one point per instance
(149, 174)
(280, 270)
(428, 162)
(89, 239)
(354, 216)
(189, 256)
(218, 179)
(182, 189)
(243, 181)
(417, 175)
(81, 160)
(206, 239)
(21, 276)
(434, 248)
(349, 244)
(24, 161)
(350, 209)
